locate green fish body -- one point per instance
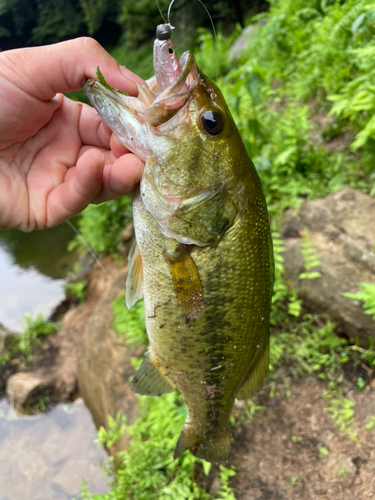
(203, 258)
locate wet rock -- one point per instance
(104, 365)
(341, 231)
(20, 388)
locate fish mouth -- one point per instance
(151, 107)
(168, 102)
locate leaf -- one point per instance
(206, 467)
(102, 80)
(357, 23)
(310, 276)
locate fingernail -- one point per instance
(130, 75)
(101, 165)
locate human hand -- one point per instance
(56, 155)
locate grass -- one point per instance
(23, 346)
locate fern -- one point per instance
(367, 295)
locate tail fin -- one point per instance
(213, 449)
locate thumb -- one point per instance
(42, 72)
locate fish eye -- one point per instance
(212, 122)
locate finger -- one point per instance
(116, 147)
(120, 178)
(74, 194)
(92, 130)
(62, 67)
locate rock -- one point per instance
(341, 230)
(20, 387)
(6, 338)
(104, 365)
(242, 42)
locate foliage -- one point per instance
(101, 225)
(371, 424)
(303, 51)
(23, 345)
(212, 55)
(57, 19)
(367, 295)
(312, 347)
(139, 19)
(116, 428)
(130, 323)
(147, 469)
(76, 289)
(341, 410)
(226, 491)
(311, 259)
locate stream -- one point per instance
(43, 457)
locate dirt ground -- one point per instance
(293, 450)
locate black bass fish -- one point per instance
(203, 257)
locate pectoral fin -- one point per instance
(149, 380)
(186, 281)
(134, 281)
(256, 376)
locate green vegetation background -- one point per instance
(307, 77)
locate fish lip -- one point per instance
(161, 110)
(92, 84)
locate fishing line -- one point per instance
(212, 24)
(161, 13)
(91, 251)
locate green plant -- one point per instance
(294, 480)
(116, 428)
(76, 289)
(101, 225)
(147, 471)
(310, 257)
(341, 473)
(226, 492)
(367, 295)
(323, 450)
(130, 323)
(22, 346)
(371, 424)
(341, 410)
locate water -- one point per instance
(44, 457)
(33, 270)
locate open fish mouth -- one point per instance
(154, 106)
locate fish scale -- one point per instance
(203, 258)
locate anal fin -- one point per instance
(134, 281)
(149, 380)
(257, 375)
(186, 281)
